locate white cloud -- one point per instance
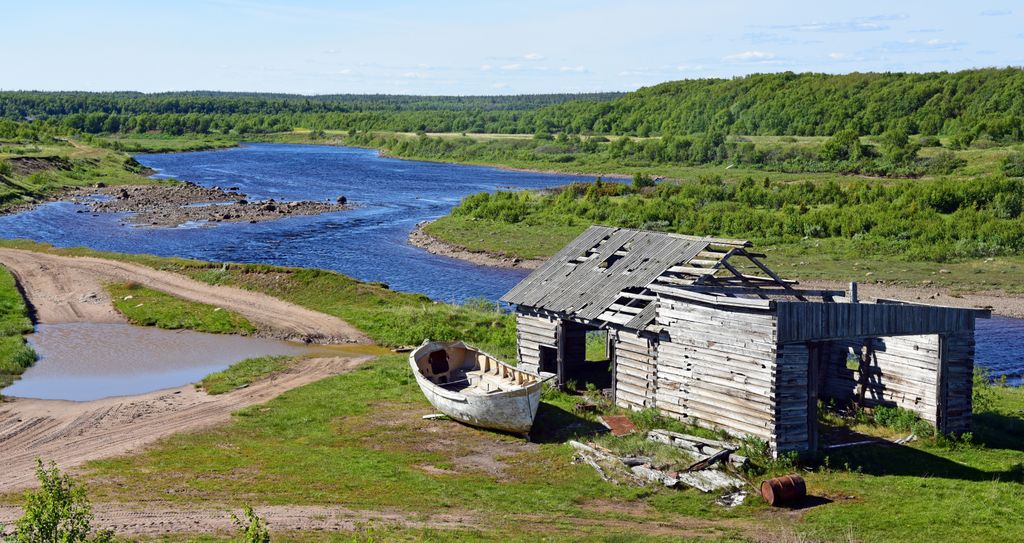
(345, 71)
(689, 68)
(916, 45)
(578, 69)
(533, 56)
(751, 56)
(500, 85)
(511, 67)
(486, 67)
(414, 75)
(873, 23)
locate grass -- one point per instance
(519, 240)
(63, 165)
(15, 353)
(147, 307)
(162, 143)
(243, 373)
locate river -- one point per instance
(368, 243)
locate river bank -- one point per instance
(419, 237)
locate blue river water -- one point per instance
(369, 242)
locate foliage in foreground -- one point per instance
(59, 512)
(15, 353)
(251, 528)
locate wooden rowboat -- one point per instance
(473, 387)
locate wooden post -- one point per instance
(941, 387)
(813, 378)
(613, 364)
(862, 372)
(560, 340)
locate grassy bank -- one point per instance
(35, 171)
(241, 374)
(15, 354)
(147, 307)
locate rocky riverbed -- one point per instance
(174, 204)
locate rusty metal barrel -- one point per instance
(783, 490)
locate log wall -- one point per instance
(635, 359)
(532, 332)
(717, 367)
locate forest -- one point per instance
(985, 104)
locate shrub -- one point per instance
(251, 528)
(642, 180)
(58, 512)
(902, 420)
(1013, 165)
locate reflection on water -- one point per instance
(86, 361)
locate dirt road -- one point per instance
(71, 433)
(70, 289)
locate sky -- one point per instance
(465, 47)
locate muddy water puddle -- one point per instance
(88, 361)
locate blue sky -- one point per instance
(462, 47)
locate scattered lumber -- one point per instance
(707, 451)
(710, 480)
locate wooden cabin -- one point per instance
(702, 330)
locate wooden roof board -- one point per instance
(587, 290)
(558, 263)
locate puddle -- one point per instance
(88, 361)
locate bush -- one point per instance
(902, 420)
(642, 180)
(58, 512)
(251, 528)
(943, 163)
(1013, 165)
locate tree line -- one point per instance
(967, 105)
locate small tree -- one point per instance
(641, 180)
(897, 147)
(844, 145)
(58, 512)
(251, 527)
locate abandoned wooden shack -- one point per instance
(702, 330)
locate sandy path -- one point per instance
(164, 518)
(71, 433)
(70, 289)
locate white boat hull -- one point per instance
(512, 408)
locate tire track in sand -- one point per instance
(70, 289)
